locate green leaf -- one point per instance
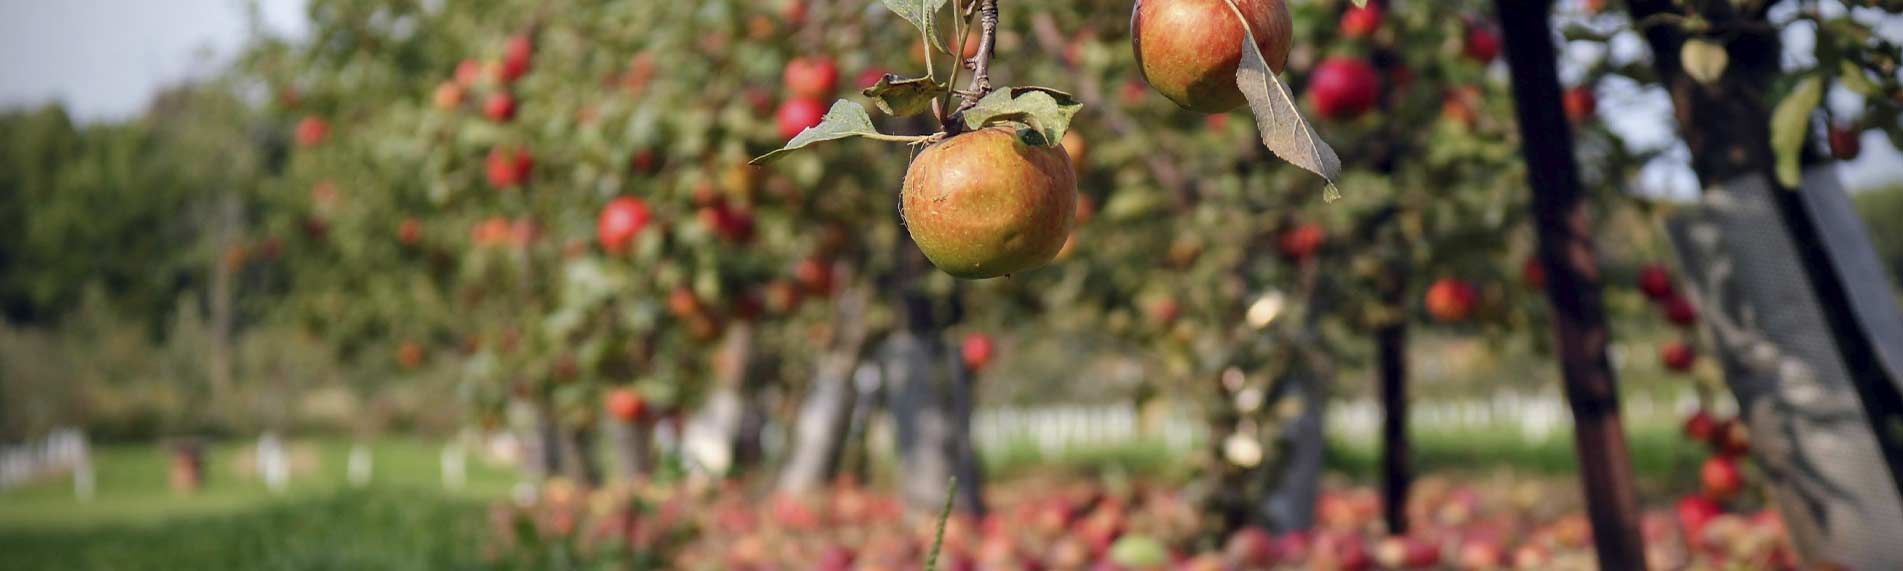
(905, 97)
(923, 14)
(845, 119)
(1283, 129)
(1790, 122)
(1046, 110)
(1852, 77)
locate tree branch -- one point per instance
(980, 64)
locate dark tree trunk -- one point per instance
(1571, 264)
(541, 443)
(577, 456)
(1290, 503)
(1391, 353)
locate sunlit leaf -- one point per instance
(1046, 110)
(1704, 61)
(923, 14)
(1790, 122)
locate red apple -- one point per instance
(1450, 300)
(508, 168)
(977, 351)
(493, 231)
(449, 96)
(1188, 50)
(1533, 273)
(500, 107)
(726, 222)
(1361, 22)
(1482, 554)
(1693, 513)
(811, 78)
(1677, 356)
(468, 72)
(1845, 142)
(311, 131)
(1580, 103)
(1700, 427)
(1406, 553)
(515, 59)
(409, 232)
(1655, 282)
(681, 302)
(1482, 45)
(620, 222)
(1732, 439)
(1343, 88)
(409, 355)
(626, 405)
(797, 115)
(1250, 548)
(1679, 311)
(1720, 478)
(987, 203)
(1302, 241)
(815, 276)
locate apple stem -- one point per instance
(980, 63)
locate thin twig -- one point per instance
(931, 561)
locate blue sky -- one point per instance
(106, 58)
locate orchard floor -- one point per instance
(405, 519)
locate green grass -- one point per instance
(369, 529)
(133, 488)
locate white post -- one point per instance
(455, 472)
(359, 466)
(272, 463)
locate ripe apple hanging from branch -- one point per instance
(993, 193)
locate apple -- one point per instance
(811, 78)
(311, 131)
(1531, 557)
(1343, 88)
(1700, 427)
(1720, 478)
(1732, 439)
(500, 107)
(449, 96)
(796, 115)
(1677, 356)
(468, 72)
(493, 231)
(815, 276)
(1461, 105)
(508, 168)
(1655, 282)
(781, 296)
(1164, 311)
(977, 351)
(1406, 553)
(1679, 311)
(729, 223)
(1482, 45)
(988, 203)
(1361, 22)
(626, 405)
(1580, 103)
(644, 161)
(1845, 142)
(1481, 554)
(515, 59)
(1533, 273)
(1250, 548)
(409, 355)
(1075, 146)
(409, 232)
(1450, 300)
(836, 558)
(1188, 50)
(1694, 512)
(1301, 241)
(620, 222)
(682, 303)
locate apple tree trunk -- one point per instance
(824, 421)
